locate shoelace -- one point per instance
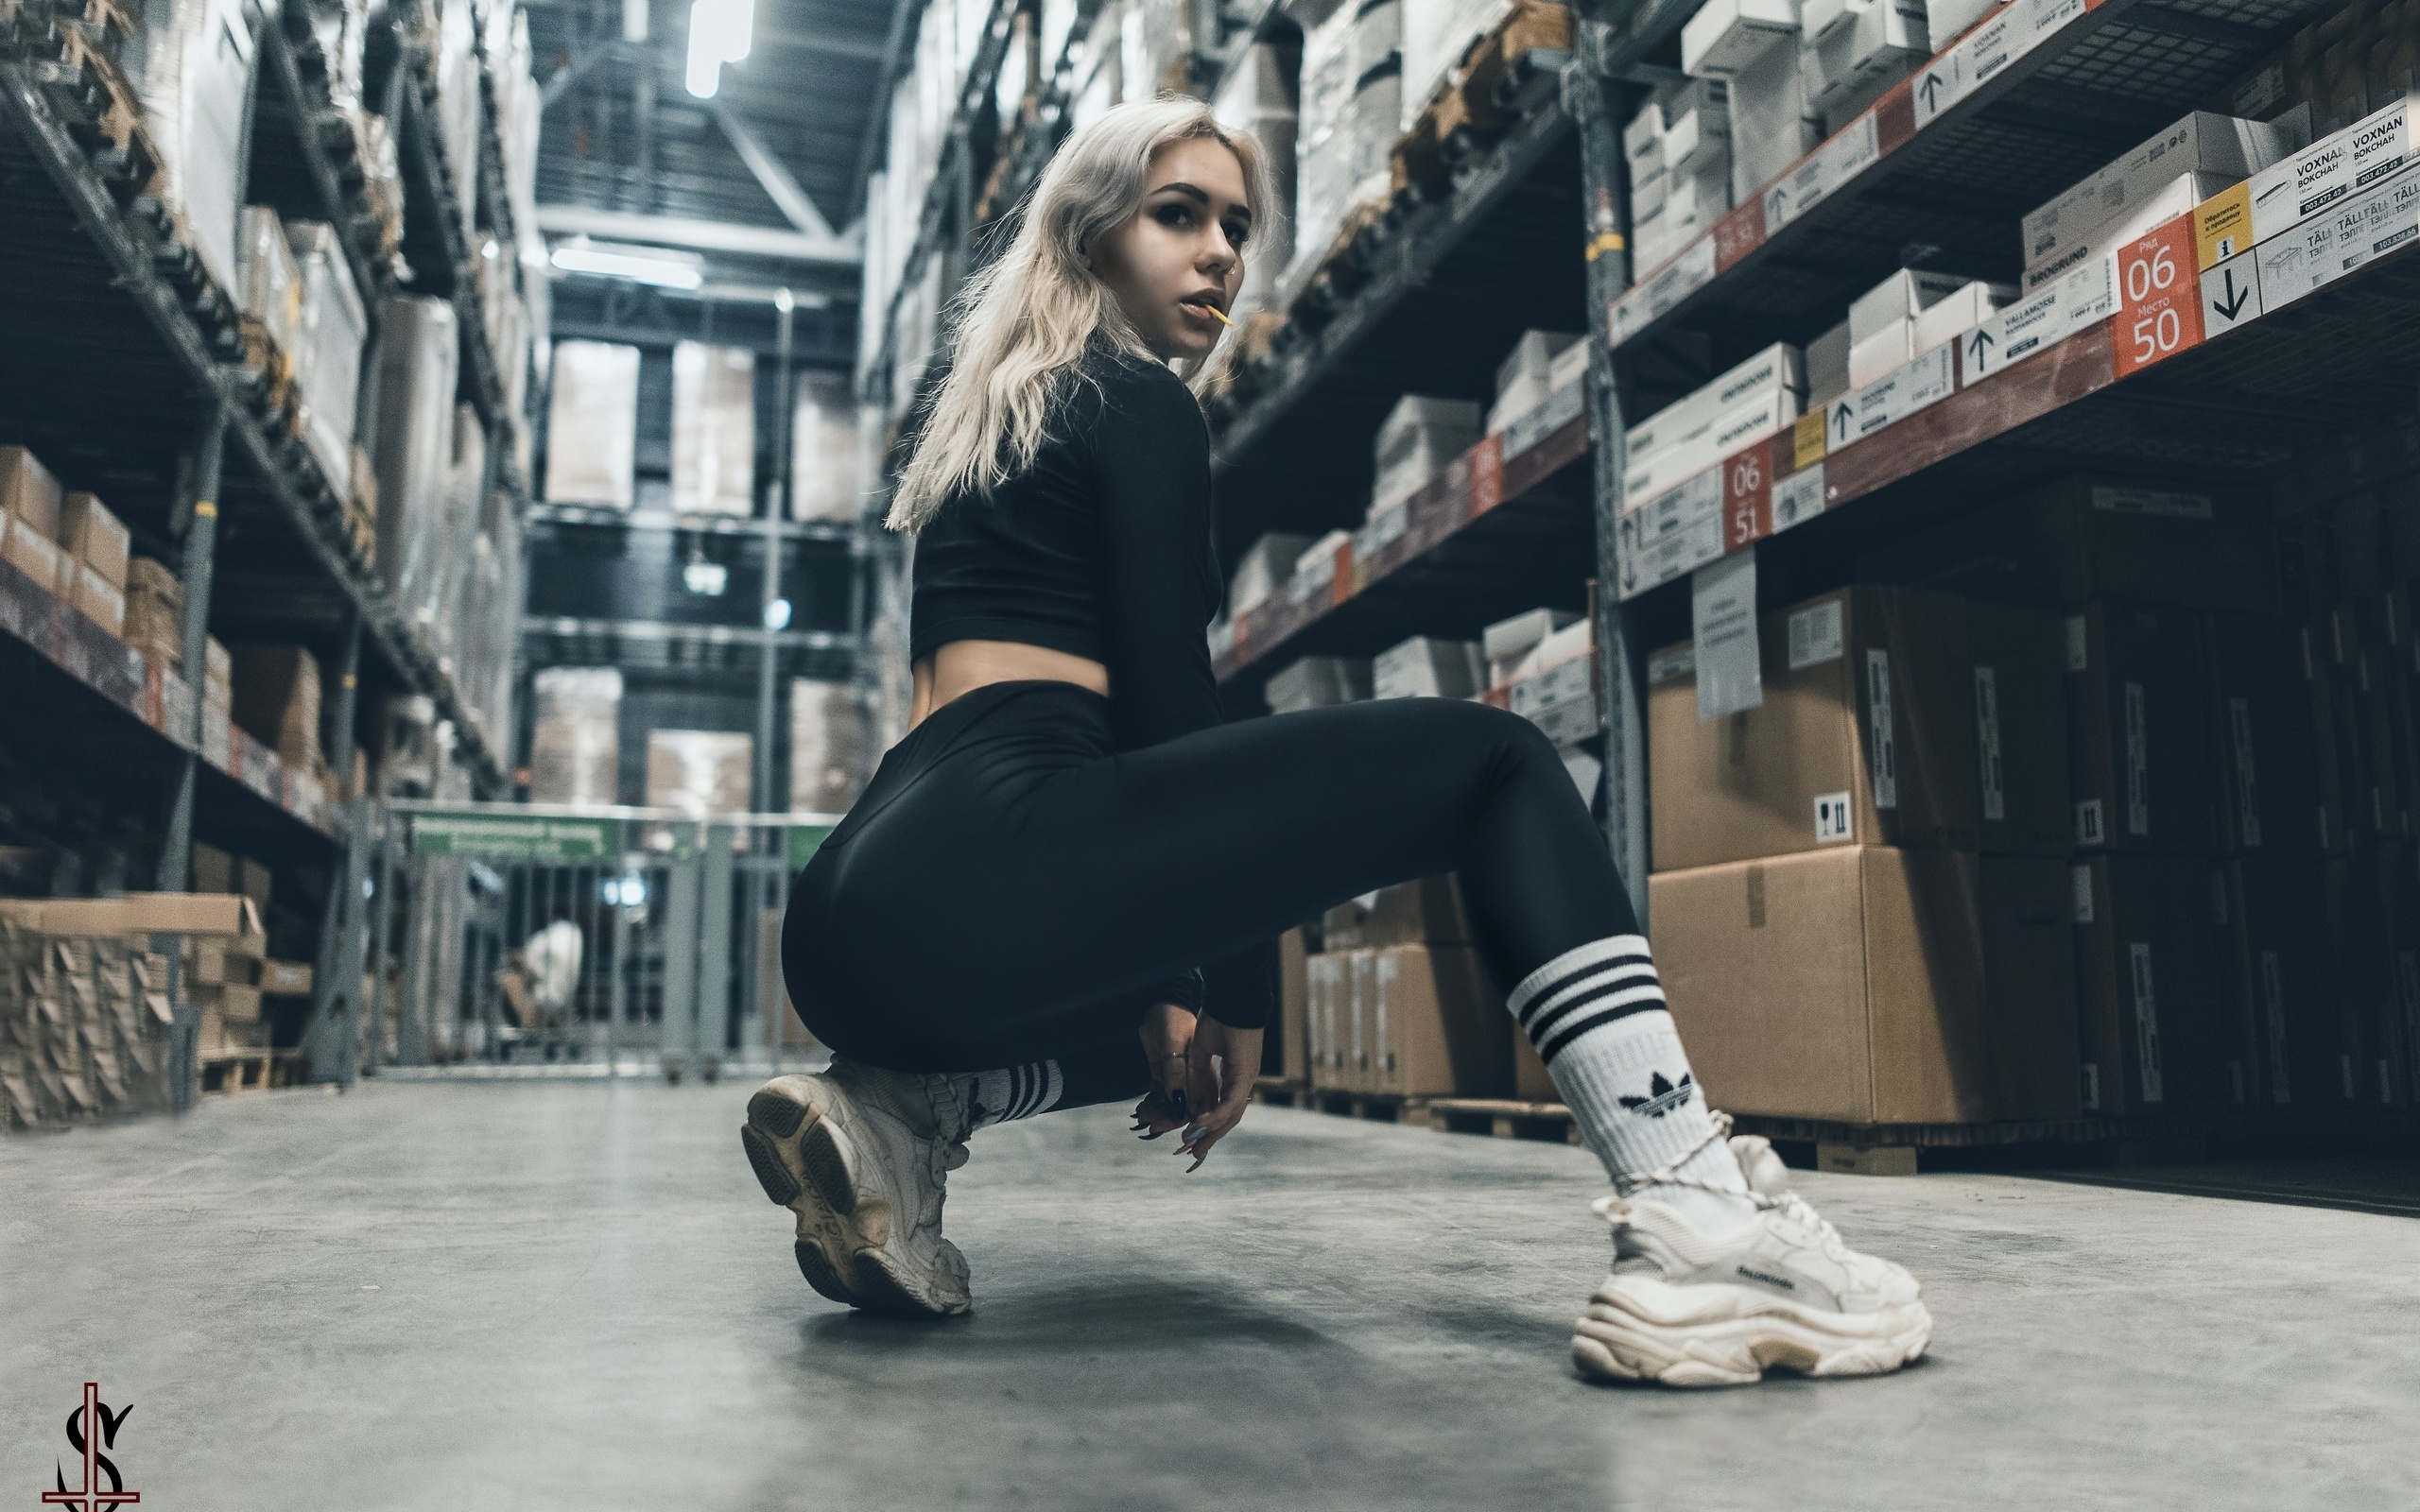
(1789, 1204)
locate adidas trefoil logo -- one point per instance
(1662, 1096)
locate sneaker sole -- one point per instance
(807, 1163)
(1646, 1329)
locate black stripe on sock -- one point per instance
(1582, 973)
(1567, 1012)
(1548, 1049)
(1040, 1087)
(1016, 1094)
(1620, 974)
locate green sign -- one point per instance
(805, 839)
(514, 837)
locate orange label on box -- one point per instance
(1487, 475)
(2159, 297)
(1747, 497)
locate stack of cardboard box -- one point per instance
(275, 698)
(85, 1004)
(1860, 906)
(1397, 1001)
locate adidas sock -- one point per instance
(1016, 1092)
(1596, 1015)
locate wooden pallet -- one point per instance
(228, 1072)
(1500, 1117)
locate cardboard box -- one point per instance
(28, 493)
(1437, 1025)
(714, 429)
(1725, 36)
(218, 960)
(253, 881)
(2264, 755)
(699, 772)
(1671, 465)
(213, 871)
(1850, 986)
(1903, 296)
(97, 601)
(832, 752)
(1776, 367)
(236, 917)
(1427, 910)
(2283, 1045)
(1877, 356)
(2087, 537)
(2147, 984)
(2156, 209)
(1327, 1025)
(276, 700)
(285, 979)
(2028, 1045)
(2016, 661)
(1290, 1044)
(1532, 1081)
(2308, 182)
(575, 742)
(592, 429)
(1773, 123)
(90, 534)
(2137, 730)
(2204, 142)
(1428, 668)
(1866, 736)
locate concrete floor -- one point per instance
(539, 1296)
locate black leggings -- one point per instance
(1010, 888)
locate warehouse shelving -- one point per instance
(606, 517)
(130, 412)
(1948, 168)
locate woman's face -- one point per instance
(1182, 251)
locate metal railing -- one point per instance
(510, 940)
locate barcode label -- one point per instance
(2139, 761)
(1815, 635)
(1987, 742)
(1883, 753)
(2138, 954)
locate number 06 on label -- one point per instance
(2159, 297)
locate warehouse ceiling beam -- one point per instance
(701, 235)
(559, 82)
(771, 174)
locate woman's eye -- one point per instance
(1177, 210)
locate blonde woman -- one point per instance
(1063, 885)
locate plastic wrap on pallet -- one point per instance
(418, 351)
(824, 450)
(714, 429)
(382, 180)
(1435, 35)
(84, 1023)
(831, 745)
(268, 287)
(575, 741)
(197, 69)
(435, 602)
(327, 356)
(458, 103)
(592, 423)
(341, 28)
(1258, 96)
(699, 772)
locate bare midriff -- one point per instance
(960, 667)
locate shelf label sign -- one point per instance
(2230, 294)
(514, 837)
(1747, 498)
(1986, 51)
(1648, 302)
(2159, 306)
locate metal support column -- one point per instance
(201, 548)
(679, 1035)
(713, 947)
(1593, 101)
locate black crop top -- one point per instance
(1103, 548)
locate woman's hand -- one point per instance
(1220, 1065)
(1166, 1032)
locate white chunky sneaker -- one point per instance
(1780, 1290)
(863, 1155)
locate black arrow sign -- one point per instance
(2234, 297)
(1841, 417)
(1931, 87)
(1977, 345)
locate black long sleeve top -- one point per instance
(1104, 548)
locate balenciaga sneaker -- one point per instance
(1780, 1290)
(863, 1155)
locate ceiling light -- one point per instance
(720, 31)
(642, 265)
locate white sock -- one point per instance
(1596, 1015)
(1016, 1092)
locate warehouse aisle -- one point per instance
(537, 1296)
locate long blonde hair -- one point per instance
(1028, 316)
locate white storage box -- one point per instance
(1427, 667)
(1725, 36)
(2204, 142)
(2147, 214)
(1777, 366)
(1420, 436)
(1903, 296)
